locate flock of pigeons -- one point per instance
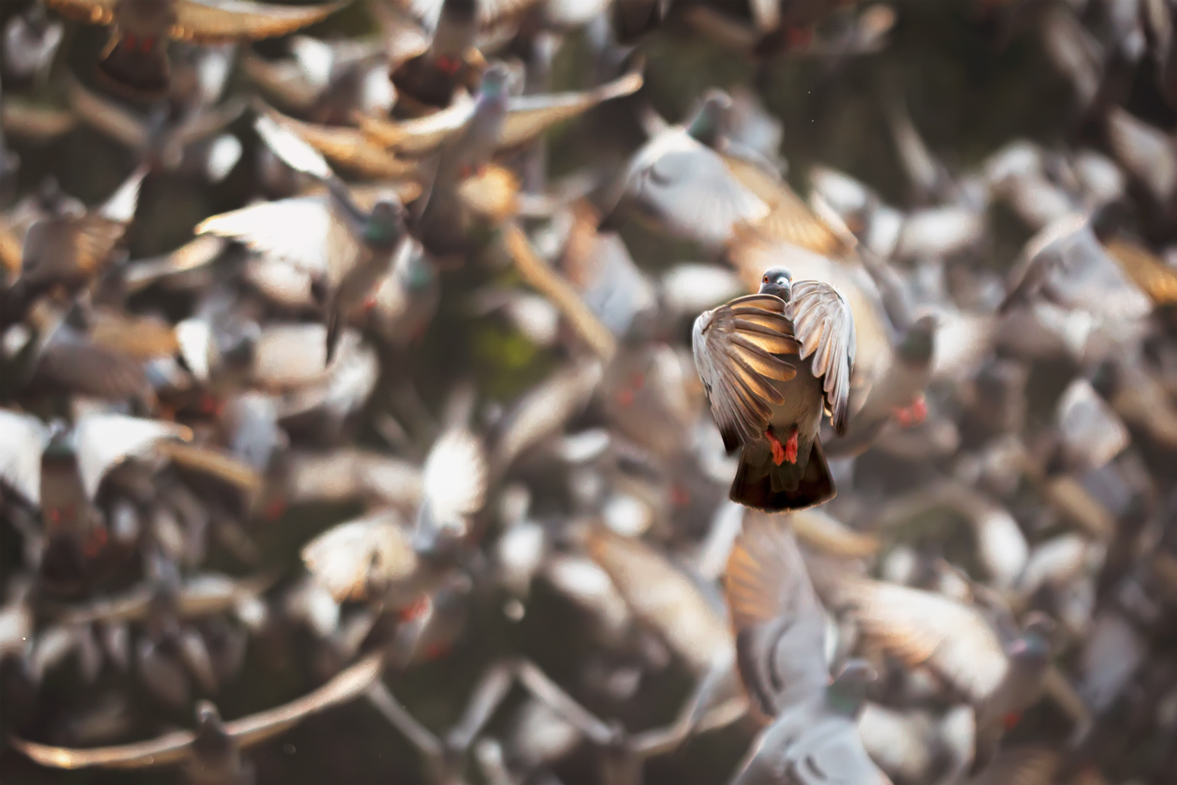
(899, 509)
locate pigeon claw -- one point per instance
(912, 414)
(782, 452)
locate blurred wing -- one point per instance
(22, 118)
(348, 147)
(1146, 152)
(346, 686)
(224, 20)
(20, 453)
(284, 79)
(824, 326)
(208, 122)
(90, 370)
(297, 231)
(530, 115)
(96, 12)
(169, 748)
(349, 558)
(691, 190)
(284, 139)
(790, 219)
(736, 348)
(831, 753)
(420, 135)
(778, 621)
(1157, 279)
(455, 476)
(923, 628)
(102, 441)
(107, 116)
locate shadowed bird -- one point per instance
(431, 78)
(999, 671)
(179, 746)
(69, 250)
(135, 60)
(345, 248)
(770, 403)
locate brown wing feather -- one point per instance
(96, 12)
(824, 326)
(737, 352)
(204, 21)
(170, 748)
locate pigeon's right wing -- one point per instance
(736, 349)
(824, 325)
(207, 21)
(778, 621)
(529, 116)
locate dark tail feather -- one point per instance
(135, 68)
(785, 487)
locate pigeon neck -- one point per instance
(846, 696)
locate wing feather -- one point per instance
(824, 326)
(735, 358)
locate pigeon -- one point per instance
(769, 403)
(30, 43)
(685, 187)
(135, 61)
(999, 671)
(779, 622)
(431, 78)
(181, 746)
(347, 249)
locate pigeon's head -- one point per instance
(494, 82)
(777, 281)
(847, 692)
(385, 224)
(920, 342)
(1033, 646)
(710, 120)
(207, 715)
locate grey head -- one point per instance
(207, 716)
(710, 119)
(846, 693)
(1032, 647)
(919, 344)
(494, 83)
(385, 224)
(777, 281)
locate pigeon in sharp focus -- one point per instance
(135, 60)
(770, 403)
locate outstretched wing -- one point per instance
(824, 326)
(736, 350)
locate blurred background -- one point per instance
(943, 140)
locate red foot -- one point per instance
(370, 303)
(912, 414)
(95, 543)
(1011, 720)
(783, 452)
(274, 510)
(679, 496)
(435, 650)
(448, 65)
(416, 609)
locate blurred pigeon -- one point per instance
(136, 61)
